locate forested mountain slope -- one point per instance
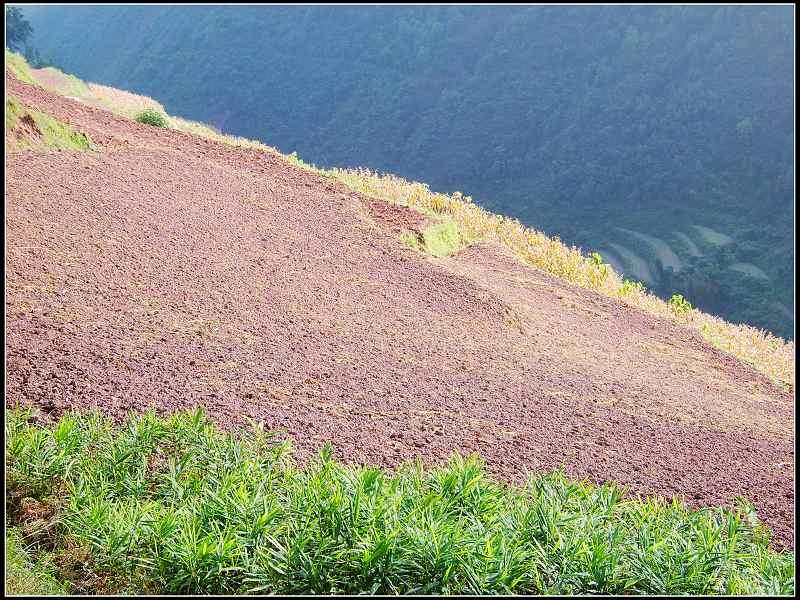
(662, 137)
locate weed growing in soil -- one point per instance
(174, 505)
(631, 287)
(152, 117)
(439, 239)
(443, 239)
(679, 304)
(598, 275)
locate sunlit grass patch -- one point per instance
(26, 577)
(439, 239)
(121, 102)
(20, 67)
(61, 83)
(203, 130)
(41, 130)
(173, 505)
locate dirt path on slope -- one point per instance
(171, 271)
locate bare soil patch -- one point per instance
(394, 217)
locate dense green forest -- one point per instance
(660, 136)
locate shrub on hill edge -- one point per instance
(152, 117)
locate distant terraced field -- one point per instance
(750, 269)
(691, 247)
(713, 237)
(635, 265)
(662, 250)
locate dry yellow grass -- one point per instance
(769, 354)
(121, 102)
(211, 133)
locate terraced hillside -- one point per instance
(160, 269)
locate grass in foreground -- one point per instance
(174, 505)
(23, 576)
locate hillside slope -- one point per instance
(619, 128)
(169, 270)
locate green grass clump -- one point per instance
(23, 576)
(152, 117)
(20, 67)
(176, 506)
(52, 133)
(631, 287)
(679, 304)
(439, 239)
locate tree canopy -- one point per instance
(18, 29)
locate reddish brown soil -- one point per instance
(171, 271)
(396, 218)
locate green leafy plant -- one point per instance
(631, 287)
(599, 270)
(152, 117)
(679, 304)
(174, 505)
